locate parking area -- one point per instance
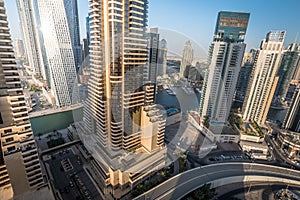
(70, 178)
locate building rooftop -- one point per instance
(223, 130)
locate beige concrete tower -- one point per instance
(263, 79)
(125, 126)
(19, 160)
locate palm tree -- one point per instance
(49, 136)
(40, 134)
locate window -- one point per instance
(11, 148)
(9, 139)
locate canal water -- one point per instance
(57, 121)
(183, 100)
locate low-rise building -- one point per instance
(290, 143)
(214, 133)
(256, 150)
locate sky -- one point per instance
(181, 20)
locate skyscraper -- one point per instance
(225, 59)
(244, 76)
(59, 24)
(19, 160)
(162, 57)
(292, 118)
(263, 78)
(27, 17)
(119, 114)
(20, 51)
(71, 10)
(151, 68)
(288, 67)
(187, 56)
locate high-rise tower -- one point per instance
(290, 61)
(263, 80)
(19, 48)
(28, 18)
(162, 57)
(61, 37)
(125, 126)
(19, 160)
(151, 68)
(244, 76)
(225, 59)
(292, 118)
(187, 57)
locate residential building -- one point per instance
(122, 126)
(292, 118)
(71, 11)
(289, 142)
(244, 76)
(224, 59)
(20, 169)
(28, 17)
(151, 68)
(263, 78)
(59, 21)
(162, 58)
(290, 61)
(19, 48)
(187, 57)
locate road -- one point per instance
(182, 184)
(243, 190)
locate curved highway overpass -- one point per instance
(218, 175)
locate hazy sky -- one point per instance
(195, 20)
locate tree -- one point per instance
(206, 121)
(202, 193)
(49, 136)
(40, 134)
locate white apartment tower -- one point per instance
(19, 160)
(162, 57)
(225, 59)
(27, 16)
(19, 47)
(187, 56)
(263, 80)
(58, 42)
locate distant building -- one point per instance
(244, 76)
(194, 74)
(162, 58)
(71, 10)
(19, 46)
(29, 24)
(225, 58)
(59, 19)
(263, 78)
(87, 29)
(290, 61)
(20, 169)
(187, 57)
(292, 118)
(150, 73)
